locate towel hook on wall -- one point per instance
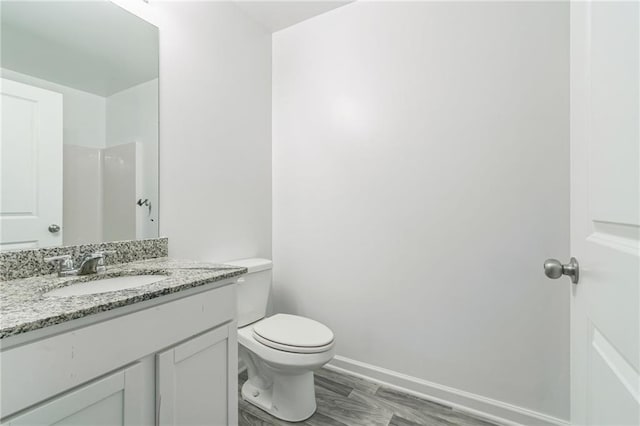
(146, 203)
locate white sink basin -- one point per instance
(105, 285)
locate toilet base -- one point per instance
(289, 397)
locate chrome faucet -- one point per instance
(91, 264)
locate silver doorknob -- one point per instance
(554, 269)
(53, 228)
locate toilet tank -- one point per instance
(253, 289)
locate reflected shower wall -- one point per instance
(101, 188)
(82, 195)
(119, 192)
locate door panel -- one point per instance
(614, 151)
(605, 212)
(30, 166)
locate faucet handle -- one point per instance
(100, 268)
(62, 263)
(63, 258)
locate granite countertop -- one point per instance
(25, 307)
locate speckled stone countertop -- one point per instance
(24, 306)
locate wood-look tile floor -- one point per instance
(345, 400)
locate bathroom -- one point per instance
(397, 173)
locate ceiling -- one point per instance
(276, 15)
(94, 46)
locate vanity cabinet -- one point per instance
(173, 361)
(112, 400)
(192, 380)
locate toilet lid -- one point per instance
(283, 331)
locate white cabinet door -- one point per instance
(605, 213)
(113, 400)
(197, 380)
(30, 166)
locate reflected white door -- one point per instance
(605, 213)
(30, 166)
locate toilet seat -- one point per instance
(285, 359)
(292, 333)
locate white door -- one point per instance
(110, 401)
(197, 381)
(30, 166)
(605, 213)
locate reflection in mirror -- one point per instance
(79, 124)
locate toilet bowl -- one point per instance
(280, 352)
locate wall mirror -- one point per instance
(79, 105)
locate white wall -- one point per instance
(420, 179)
(132, 116)
(215, 127)
(84, 113)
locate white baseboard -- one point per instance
(490, 409)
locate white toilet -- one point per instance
(280, 352)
